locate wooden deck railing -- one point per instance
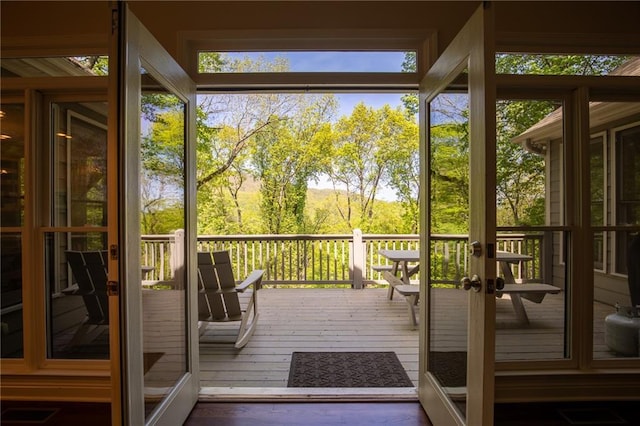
(340, 259)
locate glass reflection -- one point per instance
(529, 198)
(616, 304)
(449, 189)
(75, 261)
(162, 211)
(78, 307)
(11, 221)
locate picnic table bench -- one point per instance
(411, 292)
(534, 292)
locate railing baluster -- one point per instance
(325, 259)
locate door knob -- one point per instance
(474, 282)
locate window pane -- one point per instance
(597, 198)
(75, 262)
(627, 207)
(562, 64)
(55, 66)
(11, 297)
(529, 195)
(11, 165)
(11, 220)
(316, 61)
(76, 277)
(617, 285)
(79, 164)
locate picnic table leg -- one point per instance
(394, 271)
(508, 274)
(411, 302)
(519, 309)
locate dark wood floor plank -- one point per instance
(308, 414)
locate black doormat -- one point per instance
(450, 367)
(347, 370)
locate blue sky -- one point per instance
(375, 100)
(331, 61)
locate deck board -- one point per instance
(295, 319)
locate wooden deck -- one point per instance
(365, 320)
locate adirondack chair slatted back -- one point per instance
(96, 264)
(89, 270)
(219, 296)
(219, 300)
(209, 304)
(222, 263)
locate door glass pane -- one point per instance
(531, 314)
(11, 221)
(75, 260)
(448, 249)
(162, 211)
(616, 304)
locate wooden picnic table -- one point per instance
(516, 291)
(400, 260)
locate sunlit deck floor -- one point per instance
(365, 320)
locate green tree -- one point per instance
(403, 167)
(520, 187)
(290, 153)
(162, 173)
(363, 145)
(227, 128)
(450, 178)
(410, 100)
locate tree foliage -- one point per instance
(286, 157)
(364, 146)
(258, 152)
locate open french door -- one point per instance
(458, 327)
(158, 349)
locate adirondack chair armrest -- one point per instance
(254, 279)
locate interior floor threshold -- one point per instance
(217, 394)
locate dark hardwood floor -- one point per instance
(406, 414)
(308, 414)
(21, 413)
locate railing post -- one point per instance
(357, 259)
(177, 259)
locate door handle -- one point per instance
(471, 283)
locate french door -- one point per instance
(458, 328)
(156, 124)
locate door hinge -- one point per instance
(113, 288)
